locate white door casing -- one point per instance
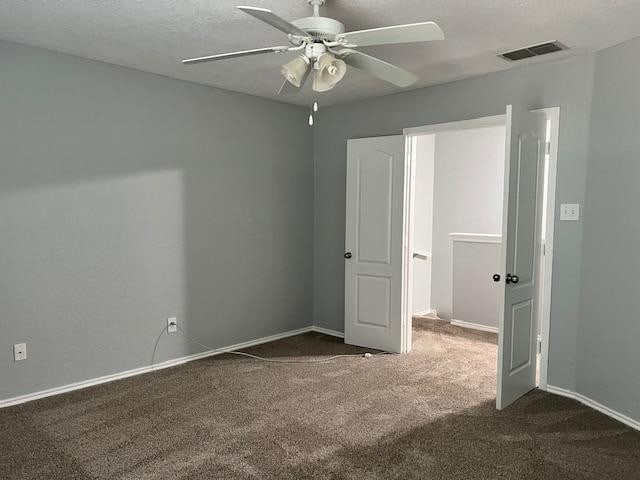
(517, 338)
(374, 242)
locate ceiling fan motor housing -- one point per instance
(320, 28)
(313, 50)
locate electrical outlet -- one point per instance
(19, 352)
(570, 212)
(172, 325)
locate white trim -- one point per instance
(151, 368)
(476, 237)
(491, 121)
(424, 313)
(326, 331)
(635, 424)
(474, 326)
(408, 201)
(552, 114)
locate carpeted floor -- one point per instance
(427, 415)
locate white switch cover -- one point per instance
(19, 352)
(172, 325)
(570, 212)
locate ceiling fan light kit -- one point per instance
(325, 48)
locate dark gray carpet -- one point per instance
(427, 415)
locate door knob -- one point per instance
(347, 255)
(512, 278)
(496, 277)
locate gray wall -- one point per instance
(467, 198)
(567, 84)
(475, 298)
(609, 337)
(127, 197)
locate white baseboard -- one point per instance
(425, 313)
(326, 331)
(474, 326)
(151, 368)
(635, 424)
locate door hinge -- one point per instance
(539, 344)
(547, 148)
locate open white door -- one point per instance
(373, 243)
(524, 165)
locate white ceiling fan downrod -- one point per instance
(316, 4)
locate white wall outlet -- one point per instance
(19, 352)
(172, 325)
(570, 212)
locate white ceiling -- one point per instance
(154, 35)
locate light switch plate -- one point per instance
(19, 352)
(570, 212)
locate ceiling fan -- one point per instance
(324, 47)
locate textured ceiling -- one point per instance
(154, 35)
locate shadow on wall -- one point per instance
(127, 198)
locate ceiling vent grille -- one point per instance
(533, 51)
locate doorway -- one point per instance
(457, 222)
(379, 254)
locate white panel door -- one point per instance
(524, 170)
(373, 243)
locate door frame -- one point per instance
(553, 115)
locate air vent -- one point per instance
(533, 51)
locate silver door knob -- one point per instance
(512, 278)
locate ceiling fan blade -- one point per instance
(288, 88)
(413, 32)
(242, 53)
(377, 68)
(272, 19)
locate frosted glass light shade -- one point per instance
(294, 70)
(329, 71)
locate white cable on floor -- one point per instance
(273, 360)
